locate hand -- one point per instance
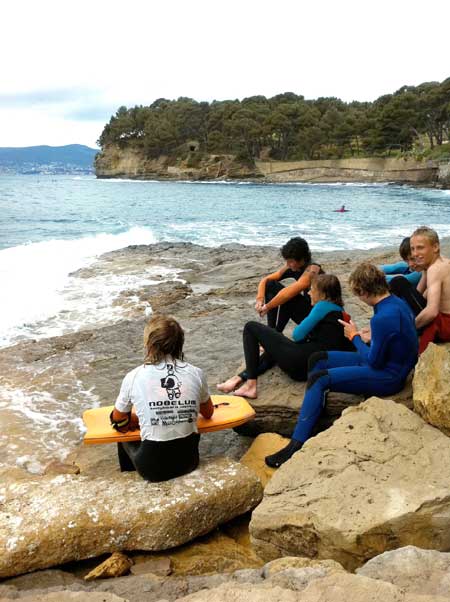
(258, 305)
(133, 425)
(350, 329)
(365, 334)
(263, 311)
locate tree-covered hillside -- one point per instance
(415, 119)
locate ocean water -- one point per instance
(52, 226)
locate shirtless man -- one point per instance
(430, 301)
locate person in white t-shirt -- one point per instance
(167, 393)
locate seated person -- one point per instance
(167, 394)
(281, 303)
(380, 369)
(319, 331)
(430, 301)
(406, 268)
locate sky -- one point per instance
(66, 67)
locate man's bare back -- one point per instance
(435, 281)
(439, 272)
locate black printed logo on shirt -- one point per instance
(171, 383)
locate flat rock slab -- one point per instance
(68, 597)
(377, 480)
(295, 587)
(52, 520)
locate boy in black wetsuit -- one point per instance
(281, 303)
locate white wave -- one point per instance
(37, 285)
(40, 428)
(132, 180)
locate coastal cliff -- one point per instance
(114, 162)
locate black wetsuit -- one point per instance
(295, 309)
(160, 460)
(290, 356)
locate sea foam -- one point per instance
(40, 298)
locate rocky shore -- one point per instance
(375, 481)
(114, 162)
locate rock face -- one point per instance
(114, 162)
(378, 479)
(351, 170)
(419, 571)
(431, 386)
(49, 521)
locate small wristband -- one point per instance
(118, 425)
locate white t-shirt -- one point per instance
(166, 398)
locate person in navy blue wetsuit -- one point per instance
(378, 369)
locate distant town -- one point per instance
(47, 160)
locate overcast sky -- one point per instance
(67, 66)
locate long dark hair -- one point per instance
(330, 287)
(163, 336)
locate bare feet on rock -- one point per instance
(247, 390)
(229, 385)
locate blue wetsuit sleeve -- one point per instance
(361, 347)
(414, 278)
(318, 312)
(401, 267)
(382, 334)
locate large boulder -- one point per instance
(378, 479)
(419, 571)
(51, 520)
(431, 386)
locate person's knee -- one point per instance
(272, 285)
(251, 326)
(318, 356)
(314, 377)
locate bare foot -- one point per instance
(247, 390)
(229, 385)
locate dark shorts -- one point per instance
(160, 460)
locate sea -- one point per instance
(51, 226)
